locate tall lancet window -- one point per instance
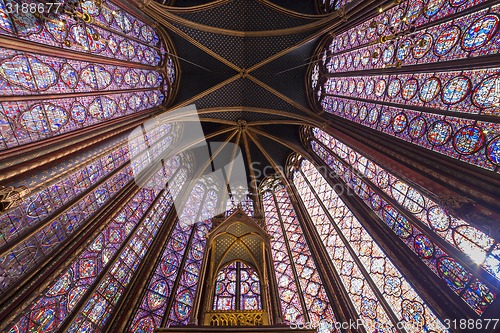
(168, 297)
(52, 214)
(237, 288)
(204, 209)
(91, 284)
(242, 198)
(59, 75)
(302, 295)
(377, 74)
(380, 294)
(413, 213)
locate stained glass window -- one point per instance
(132, 226)
(200, 208)
(44, 236)
(250, 289)
(331, 5)
(302, 295)
(240, 198)
(74, 62)
(377, 289)
(154, 302)
(365, 177)
(179, 263)
(237, 287)
(96, 311)
(225, 287)
(87, 72)
(37, 226)
(449, 112)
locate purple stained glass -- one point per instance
(439, 133)
(283, 225)
(456, 89)
(424, 246)
(468, 140)
(394, 88)
(413, 48)
(137, 56)
(457, 3)
(422, 207)
(28, 72)
(344, 236)
(41, 206)
(433, 7)
(410, 88)
(400, 122)
(422, 46)
(113, 284)
(153, 304)
(453, 273)
(486, 92)
(57, 116)
(83, 270)
(480, 32)
(429, 89)
(493, 150)
(225, 288)
(417, 128)
(62, 31)
(447, 40)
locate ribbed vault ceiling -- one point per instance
(246, 60)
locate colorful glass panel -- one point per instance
(294, 263)
(225, 288)
(83, 271)
(155, 300)
(399, 19)
(250, 289)
(231, 278)
(200, 208)
(291, 307)
(73, 59)
(480, 32)
(345, 237)
(97, 37)
(454, 38)
(439, 134)
(458, 233)
(240, 198)
(41, 210)
(446, 40)
(95, 312)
